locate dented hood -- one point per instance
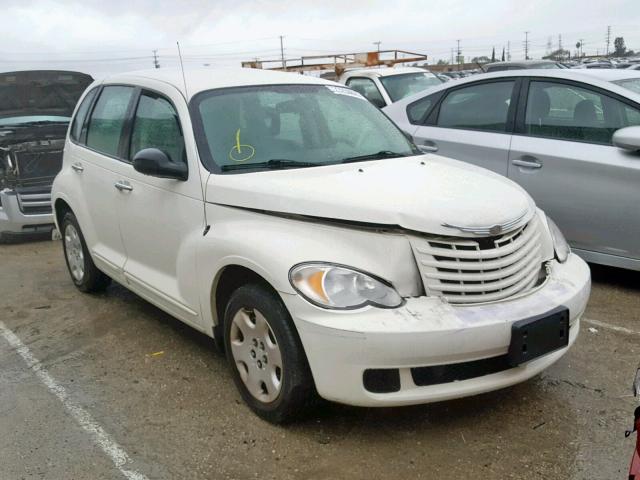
(421, 193)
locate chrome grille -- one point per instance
(477, 270)
(35, 202)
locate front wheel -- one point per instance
(85, 275)
(267, 359)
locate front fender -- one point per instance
(270, 245)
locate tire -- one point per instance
(84, 273)
(244, 333)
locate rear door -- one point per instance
(161, 219)
(471, 122)
(563, 156)
(94, 156)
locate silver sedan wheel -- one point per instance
(256, 354)
(75, 254)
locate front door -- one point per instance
(162, 219)
(564, 158)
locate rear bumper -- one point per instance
(15, 224)
(428, 332)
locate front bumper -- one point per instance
(427, 331)
(16, 224)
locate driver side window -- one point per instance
(156, 125)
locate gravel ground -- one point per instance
(164, 399)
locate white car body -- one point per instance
(376, 76)
(171, 242)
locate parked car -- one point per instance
(554, 133)
(521, 65)
(35, 107)
(383, 86)
(288, 218)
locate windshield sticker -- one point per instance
(241, 152)
(345, 91)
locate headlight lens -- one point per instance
(559, 242)
(334, 286)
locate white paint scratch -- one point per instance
(609, 326)
(100, 437)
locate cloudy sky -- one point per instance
(102, 36)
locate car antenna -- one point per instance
(184, 80)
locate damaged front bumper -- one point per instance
(25, 213)
(435, 351)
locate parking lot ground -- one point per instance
(118, 386)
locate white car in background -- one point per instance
(571, 138)
(289, 219)
(384, 85)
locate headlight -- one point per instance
(334, 286)
(559, 242)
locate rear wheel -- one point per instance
(84, 273)
(267, 359)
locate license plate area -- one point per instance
(537, 336)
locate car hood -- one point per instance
(41, 92)
(426, 193)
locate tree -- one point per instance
(493, 54)
(482, 59)
(503, 54)
(442, 62)
(619, 46)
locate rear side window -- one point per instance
(78, 120)
(568, 112)
(477, 107)
(367, 88)
(156, 125)
(107, 119)
(417, 110)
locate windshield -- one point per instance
(632, 84)
(288, 126)
(33, 119)
(400, 86)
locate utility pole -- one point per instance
(608, 38)
(526, 45)
(560, 41)
(458, 57)
(452, 56)
(508, 51)
(549, 45)
(378, 44)
(284, 64)
(156, 62)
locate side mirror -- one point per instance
(627, 138)
(156, 163)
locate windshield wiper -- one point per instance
(374, 156)
(273, 164)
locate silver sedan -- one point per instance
(570, 138)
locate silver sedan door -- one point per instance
(471, 122)
(563, 156)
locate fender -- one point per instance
(270, 245)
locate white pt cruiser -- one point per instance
(290, 220)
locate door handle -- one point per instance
(527, 163)
(123, 186)
(428, 148)
(77, 167)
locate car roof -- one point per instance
(611, 74)
(595, 78)
(197, 80)
(382, 71)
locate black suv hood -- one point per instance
(41, 92)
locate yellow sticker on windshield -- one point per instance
(241, 152)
